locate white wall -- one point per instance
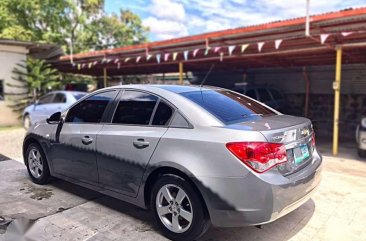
(9, 57)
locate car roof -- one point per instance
(178, 89)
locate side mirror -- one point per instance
(55, 118)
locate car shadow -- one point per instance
(280, 230)
(4, 158)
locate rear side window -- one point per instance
(163, 114)
(45, 99)
(59, 98)
(228, 106)
(78, 96)
(135, 108)
(264, 95)
(91, 109)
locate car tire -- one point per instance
(361, 153)
(188, 211)
(26, 122)
(37, 164)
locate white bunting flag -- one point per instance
(323, 37)
(260, 46)
(185, 53)
(166, 57)
(90, 65)
(158, 58)
(195, 52)
(345, 34)
(221, 56)
(207, 50)
(95, 62)
(116, 61)
(79, 66)
(104, 60)
(244, 47)
(217, 49)
(175, 54)
(231, 49)
(118, 65)
(138, 59)
(278, 43)
(108, 60)
(127, 59)
(148, 57)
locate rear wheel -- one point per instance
(177, 209)
(26, 122)
(37, 164)
(362, 153)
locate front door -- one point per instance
(126, 145)
(74, 149)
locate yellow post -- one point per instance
(105, 77)
(337, 89)
(181, 73)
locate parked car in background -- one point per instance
(267, 95)
(193, 155)
(361, 138)
(49, 104)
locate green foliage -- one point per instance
(80, 23)
(32, 78)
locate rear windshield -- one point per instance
(78, 96)
(228, 106)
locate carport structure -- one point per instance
(335, 38)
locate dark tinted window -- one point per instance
(276, 95)
(228, 106)
(251, 93)
(1, 90)
(264, 95)
(91, 109)
(163, 114)
(46, 99)
(59, 98)
(135, 108)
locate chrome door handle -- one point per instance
(86, 140)
(141, 143)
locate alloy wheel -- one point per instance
(35, 163)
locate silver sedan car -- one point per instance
(195, 156)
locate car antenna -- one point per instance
(207, 74)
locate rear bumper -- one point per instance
(259, 198)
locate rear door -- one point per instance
(74, 151)
(126, 145)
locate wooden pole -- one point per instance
(181, 73)
(105, 77)
(337, 90)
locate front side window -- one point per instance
(46, 99)
(162, 114)
(59, 98)
(228, 106)
(135, 108)
(91, 109)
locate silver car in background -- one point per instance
(49, 104)
(194, 156)
(361, 138)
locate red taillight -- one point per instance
(259, 156)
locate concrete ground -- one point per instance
(64, 211)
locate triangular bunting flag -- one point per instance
(90, 65)
(244, 47)
(148, 57)
(195, 52)
(345, 34)
(108, 60)
(158, 58)
(116, 61)
(95, 62)
(82, 66)
(185, 53)
(175, 54)
(278, 43)
(166, 57)
(138, 59)
(79, 66)
(260, 46)
(217, 49)
(206, 51)
(221, 56)
(127, 59)
(231, 49)
(323, 37)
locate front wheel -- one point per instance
(361, 153)
(178, 210)
(37, 164)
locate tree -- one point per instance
(33, 78)
(80, 25)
